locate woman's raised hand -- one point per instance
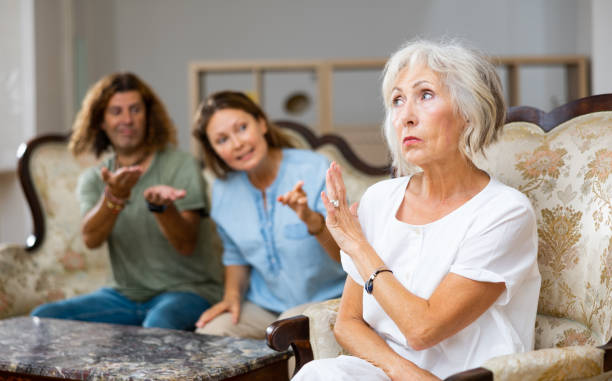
(341, 220)
(120, 182)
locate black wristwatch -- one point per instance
(369, 284)
(155, 208)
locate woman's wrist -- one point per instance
(358, 249)
(317, 224)
(399, 367)
(232, 296)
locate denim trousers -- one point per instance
(174, 310)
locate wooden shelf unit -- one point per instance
(576, 68)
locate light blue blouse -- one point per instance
(288, 266)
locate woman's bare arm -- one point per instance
(236, 283)
(359, 339)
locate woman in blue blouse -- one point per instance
(277, 251)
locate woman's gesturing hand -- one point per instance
(297, 200)
(120, 182)
(226, 305)
(341, 220)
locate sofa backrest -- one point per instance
(567, 174)
(56, 264)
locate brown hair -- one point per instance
(238, 101)
(87, 133)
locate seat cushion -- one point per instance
(560, 332)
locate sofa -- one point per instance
(55, 264)
(562, 161)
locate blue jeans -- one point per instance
(174, 310)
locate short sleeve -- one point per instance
(231, 252)
(89, 189)
(500, 247)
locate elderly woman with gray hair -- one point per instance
(442, 263)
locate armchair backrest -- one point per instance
(562, 161)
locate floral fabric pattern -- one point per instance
(596, 177)
(569, 363)
(566, 175)
(541, 168)
(561, 332)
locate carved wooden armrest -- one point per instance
(607, 364)
(294, 332)
(476, 374)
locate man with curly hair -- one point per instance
(148, 202)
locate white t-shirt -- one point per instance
(490, 238)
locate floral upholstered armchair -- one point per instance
(562, 161)
(55, 263)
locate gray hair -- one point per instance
(473, 84)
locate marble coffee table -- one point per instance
(44, 349)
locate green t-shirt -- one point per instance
(143, 261)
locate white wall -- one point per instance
(36, 96)
(16, 78)
(157, 38)
(53, 26)
(601, 62)
(17, 110)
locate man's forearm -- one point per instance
(99, 222)
(180, 228)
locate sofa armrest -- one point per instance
(567, 363)
(15, 285)
(476, 374)
(51, 272)
(607, 360)
(294, 332)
